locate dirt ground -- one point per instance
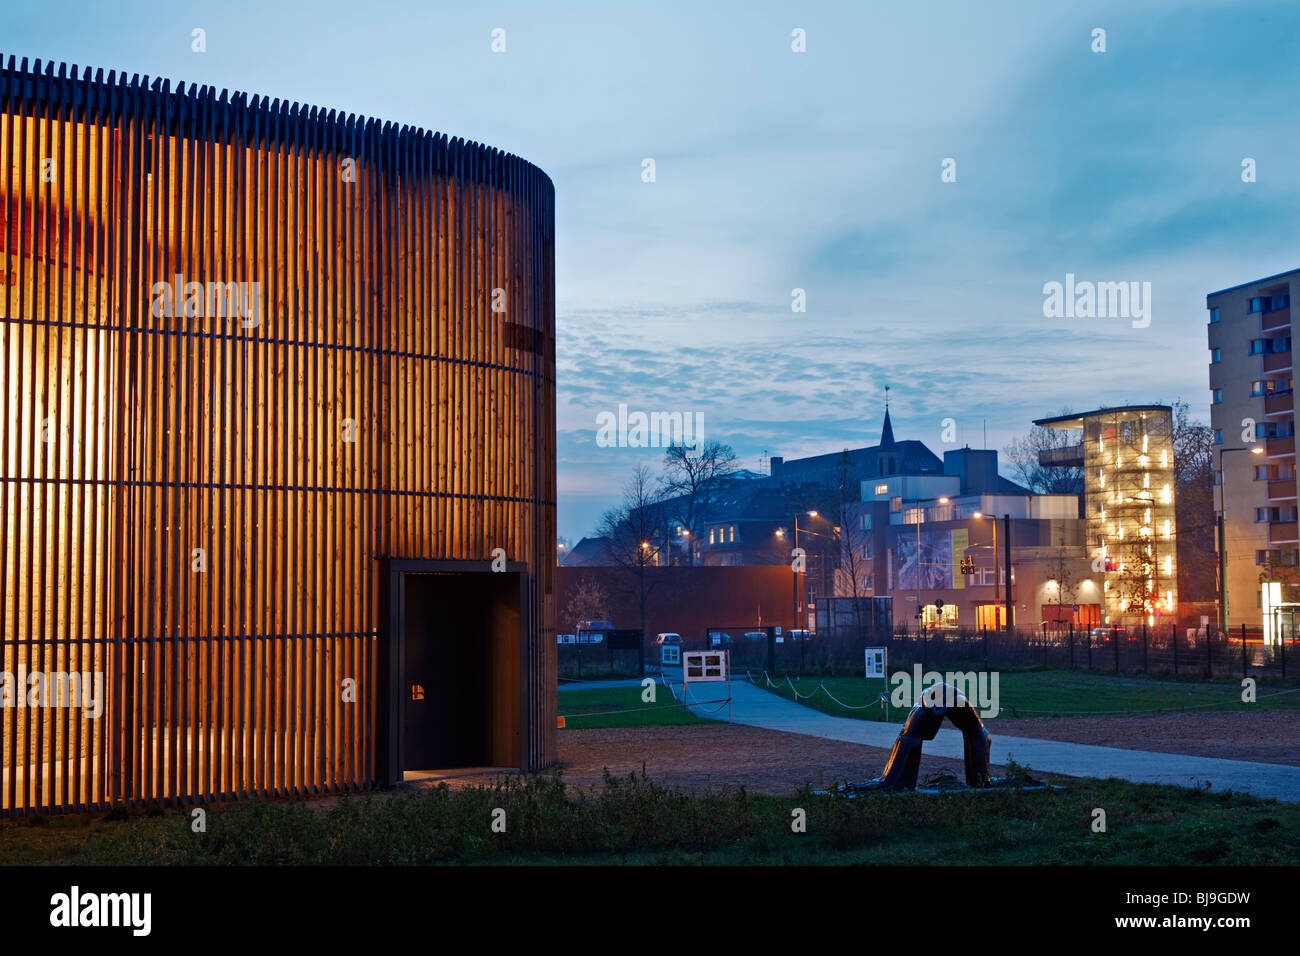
(697, 758)
(1272, 737)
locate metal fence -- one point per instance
(1166, 650)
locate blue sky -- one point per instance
(821, 171)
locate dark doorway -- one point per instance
(457, 638)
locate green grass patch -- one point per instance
(634, 820)
(605, 707)
(1057, 694)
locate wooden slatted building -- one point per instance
(277, 461)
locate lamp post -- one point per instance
(795, 604)
(1223, 545)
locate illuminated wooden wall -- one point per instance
(197, 505)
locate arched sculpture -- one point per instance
(937, 702)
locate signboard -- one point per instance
(876, 661)
(704, 666)
(670, 654)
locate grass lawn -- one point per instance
(1058, 694)
(633, 820)
(622, 707)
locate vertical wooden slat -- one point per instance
(180, 431)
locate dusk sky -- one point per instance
(820, 170)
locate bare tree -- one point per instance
(693, 483)
(854, 571)
(587, 602)
(1194, 466)
(1023, 455)
(1061, 568)
(630, 530)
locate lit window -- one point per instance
(710, 536)
(732, 533)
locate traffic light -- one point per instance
(968, 565)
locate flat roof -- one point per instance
(1065, 421)
(1233, 288)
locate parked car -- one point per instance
(668, 637)
(756, 635)
(1103, 635)
(799, 634)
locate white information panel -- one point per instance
(704, 666)
(877, 661)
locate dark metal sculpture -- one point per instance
(939, 701)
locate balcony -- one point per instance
(1280, 447)
(1278, 403)
(1281, 532)
(1277, 361)
(1281, 490)
(1062, 457)
(1272, 321)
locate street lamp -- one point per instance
(780, 533)
(1223, 553)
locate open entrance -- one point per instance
(455, 657)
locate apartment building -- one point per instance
(1252, 412)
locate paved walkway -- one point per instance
(759, 708)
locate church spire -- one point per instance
(887, 431)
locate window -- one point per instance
(1214, 315)
(1261, 388)
(1261, 557)
(1268, 514)
(710, 536)
(880, 490)
(1216, 355)
(865, 552)
(1266, 472)
(1259, 347)
(731, 534)
(1218, 436)
(1258, 304)
(1282, 301)
(1216, 396)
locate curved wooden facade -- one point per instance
(204, 485)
